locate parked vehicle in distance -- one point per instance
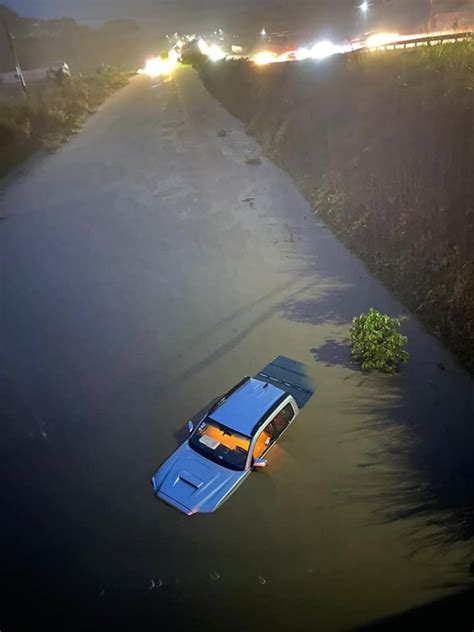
(232, 437)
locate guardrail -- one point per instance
(426, 41)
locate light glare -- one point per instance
(157, 66)
(265, 57)
(324, 49)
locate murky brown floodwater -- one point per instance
(146, 269)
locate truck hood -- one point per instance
(192, 483)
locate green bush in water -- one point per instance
(376, 342)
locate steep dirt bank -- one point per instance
(383, 147)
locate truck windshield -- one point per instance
(220, 444)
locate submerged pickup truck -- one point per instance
(232, 437)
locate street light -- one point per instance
(263, 32)
(364, 7)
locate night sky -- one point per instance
(194, 14)
(322, 17)
(81, 9)
(92, 10)
(98, 10)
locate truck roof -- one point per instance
(247, 406)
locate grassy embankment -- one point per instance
(51, 114)
(382, 145)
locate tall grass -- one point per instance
(51, 114)
(382, 144)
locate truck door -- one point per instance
(281, 421)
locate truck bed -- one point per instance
(290, 376)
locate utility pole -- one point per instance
(430, 16)
(19, 72)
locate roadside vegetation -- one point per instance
(382, 144)
(377, 343)
(51, 114)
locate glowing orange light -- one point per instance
(157, 66)
(265, 57)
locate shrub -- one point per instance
(51, 115)
(376, 342)
(330, 202)
(46, 117)
(14, 127)
(253, 160)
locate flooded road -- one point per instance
(145, 269)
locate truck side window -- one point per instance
(262, 444)
(284, 417)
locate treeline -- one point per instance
(40, 43)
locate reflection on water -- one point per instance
(430, 448)
(421, 420)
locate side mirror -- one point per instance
(259, 464)
(190, 426)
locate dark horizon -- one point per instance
(316, 18)
(103, 10)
